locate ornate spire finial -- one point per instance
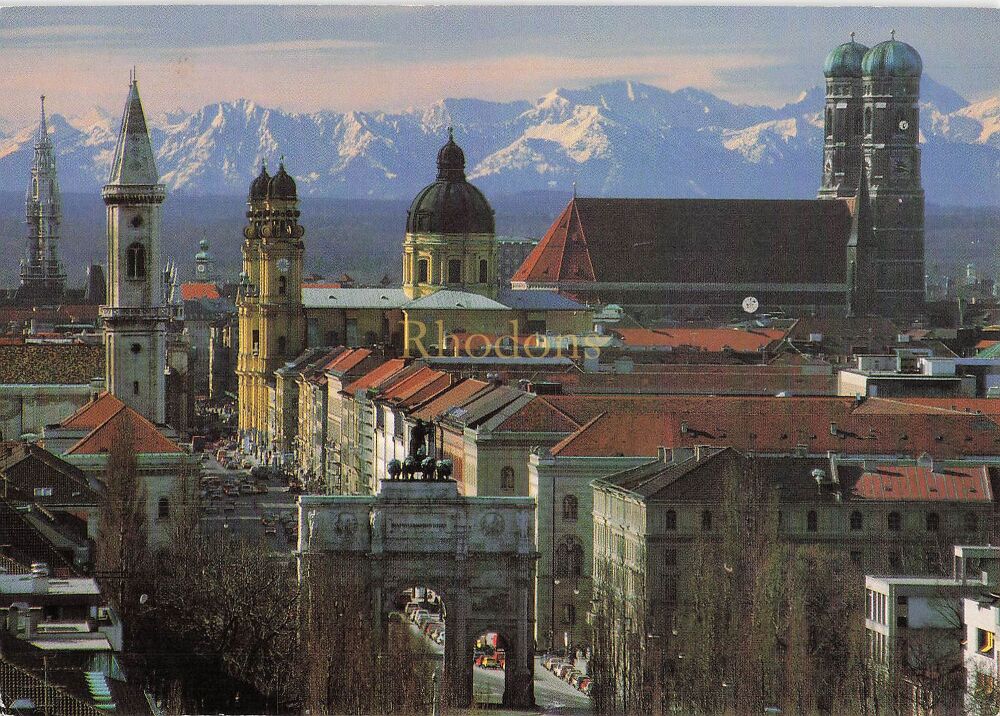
(281, 163)
(451, 133)
(852, 37)
(892, 34)
(574, 190)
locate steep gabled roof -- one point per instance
(133, 162)
(124, 424)
(375, 376)
(347, 360)
(93, 413)
(25, 468)
(723, 241)
(194, 290)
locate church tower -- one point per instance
(42, 276)
(842, 121)
(450, 241)
(891, 147)
(271, 316)
(135, 315)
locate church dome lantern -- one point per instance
(281, 185)
(451, 205)
(845, 60)
(892, 58)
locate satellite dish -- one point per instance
(750, 304)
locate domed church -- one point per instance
(856, 250)
(450, 240)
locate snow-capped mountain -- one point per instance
(618, 138)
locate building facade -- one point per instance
(135, 317)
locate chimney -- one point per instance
(664, 454)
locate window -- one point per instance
(812, 521)
(829, 122)
(856, 557)
(868, 120)
(282, 285)
(569, 558)
(422, 271)
(570, 505)
(506, 478)
(282, 345)
(332, 338)
(670, 520)
(969, 522)
(454, 270)
(670, 557)
(484, 271)
(135, 261)
(895, 560)
(135, 387)
(136, 221)
(706, 520)
(857, 123)
(857, 521)
(136, 348)
(163, 509)
(569, 614)
(894, 521)
(256, 342)
(933, 521)
(43, 492)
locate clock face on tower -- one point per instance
(903, 125)
(283, 265)
(201, 268)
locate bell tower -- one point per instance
(269, 301)
(842, 121)
(135, 316)
(891, 147)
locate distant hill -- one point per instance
(613, 139)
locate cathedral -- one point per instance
(858, 249)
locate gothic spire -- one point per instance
(133, 163)
(43, 130)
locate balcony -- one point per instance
(142, 313)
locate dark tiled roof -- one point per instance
(25, 467)
(693, 241)
(51, 363)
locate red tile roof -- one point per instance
(704, 339)
(120, 423)
(376, 376)
(458, 394)
(778, 425)
(561, 254)
(94, 413)
(914, 482)
(347, 360)
(411, 383)
(193, 291)
(985, 343)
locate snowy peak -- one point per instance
(621, 138)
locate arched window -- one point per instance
(506, 478)
(857, 123)
(454, 270)
(163, 509)
(282, 285)
(135, 261)
(894, 521)
(933, 521)
(422, 271)
(812, 523)
(282, 345)
(706, 520)
(857, 521)
(970, 522)
(670, 520)
(484, 271)
(569, 558)
(570, 505)
(868, 120)
(829, 122)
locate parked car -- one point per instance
(584, 684)
(576, 679)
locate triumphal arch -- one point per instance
(477, 553)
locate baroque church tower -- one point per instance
(135, 316)
(872, 156)
(271, 317)
(42, 276)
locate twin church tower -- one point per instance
(871, 156)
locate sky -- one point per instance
(308, 58)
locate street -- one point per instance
(553, 695)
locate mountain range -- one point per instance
(619, 138)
